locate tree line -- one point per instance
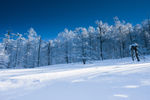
(79, 45)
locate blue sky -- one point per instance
(48, 17)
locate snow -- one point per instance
(131, 86)
(118, 79)
(121, 95)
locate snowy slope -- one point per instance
(118, 79)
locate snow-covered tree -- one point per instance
(66, 38)
(102, 29)
(4, 58)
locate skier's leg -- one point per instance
(137, 56)
(132, 55)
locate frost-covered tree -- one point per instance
(121, 32)
(31, 57)
(18, 48)
(66, 38)
(92, 43)
(4, 58)
(82, 44)
(102, 29)
(145, 34)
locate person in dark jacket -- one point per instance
(134, 51)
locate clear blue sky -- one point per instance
(48, 17)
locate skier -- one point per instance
(134, 51)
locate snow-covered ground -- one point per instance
(119, 79)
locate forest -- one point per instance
(79, 45)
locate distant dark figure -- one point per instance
(134, 51)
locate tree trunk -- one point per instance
(16, 56)
(83, 52)
(101, 43)
(39, 52)
(66, 52)
(101, 48)
(49, 53)
(26, 54)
